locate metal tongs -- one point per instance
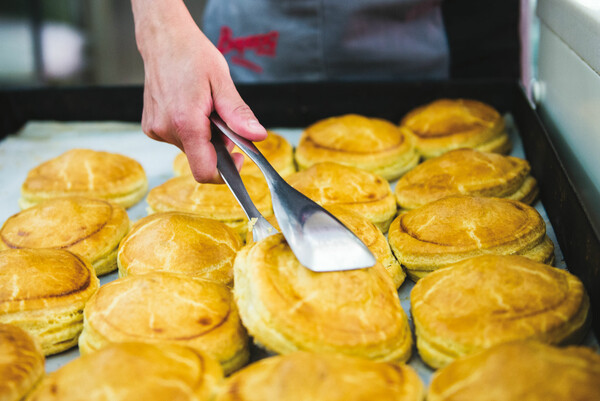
(318, 239)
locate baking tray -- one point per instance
(297, 105)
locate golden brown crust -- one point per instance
(213, 201)
(44, 291)
(181, 243)
(466, 172)
(91, 228)
(287, 307)
(21, 363)
(447, 124)
(134, 371)
(86, 172)
(488, 300)
(370, 144)
(523, 370)
(275, 148)
(358, 190)
(167, 308)
(312, 376)
(459, 227)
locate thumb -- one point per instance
(236, 113)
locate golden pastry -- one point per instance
(134, 371)
(44, 291)
(213, 201)
(466, 172)
(21, 364)
(523, 370)
(287, 307)
(448, 124)
(311, 376)
(491, 299)
(460, 227)
(86, 172)
(370, 144)
(91, 228)
(181, 243)
(275, 148)
(164, 308)
(358, 190)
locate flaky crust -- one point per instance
(370, 144)
(287, 307)
(86, 172)
(523, 370)
(275, 148)
(311, 376)
(466, 172)
(44, 291)
(489, 300)
(167, 308)
(91, 228)
(213, 201)
(181, 243)
(358, 190)
(447, 124)
(21, 364)
(460, 227)
(134, 371)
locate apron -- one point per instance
(327, 40)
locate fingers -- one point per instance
(201, 155)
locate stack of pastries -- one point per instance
(196, 302)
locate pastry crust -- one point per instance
(447, 124)
(312, 376)
(466, 172)
(168, 308)
(213, 201)
(91, 228)
(86, 172)
(287, 307)
(44, 291)
(370, 144)
(134, 371)
(358, 190)
(491, 299)
(21, 365)
(181, 243)
(460, 227)
(275, 148)
(521, 370)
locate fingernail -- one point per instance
(254, 125)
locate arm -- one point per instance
(186, 78)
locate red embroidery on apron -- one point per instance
(262, 45)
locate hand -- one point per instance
(186, 78)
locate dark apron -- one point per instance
(310, 40)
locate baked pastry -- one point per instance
(461, 227)
(275, 148)
(91, 228)
(84, 172)
(43, 291)
(491, 299)
(370, 144)
(311, 376)
(134, 371)
(370, 235)
(287, 307)
(523, 370)
(447, 124)
(360, 191)
(213, 201)
(181, 243)
(21, 365)
(164, 308)
(466, 172)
